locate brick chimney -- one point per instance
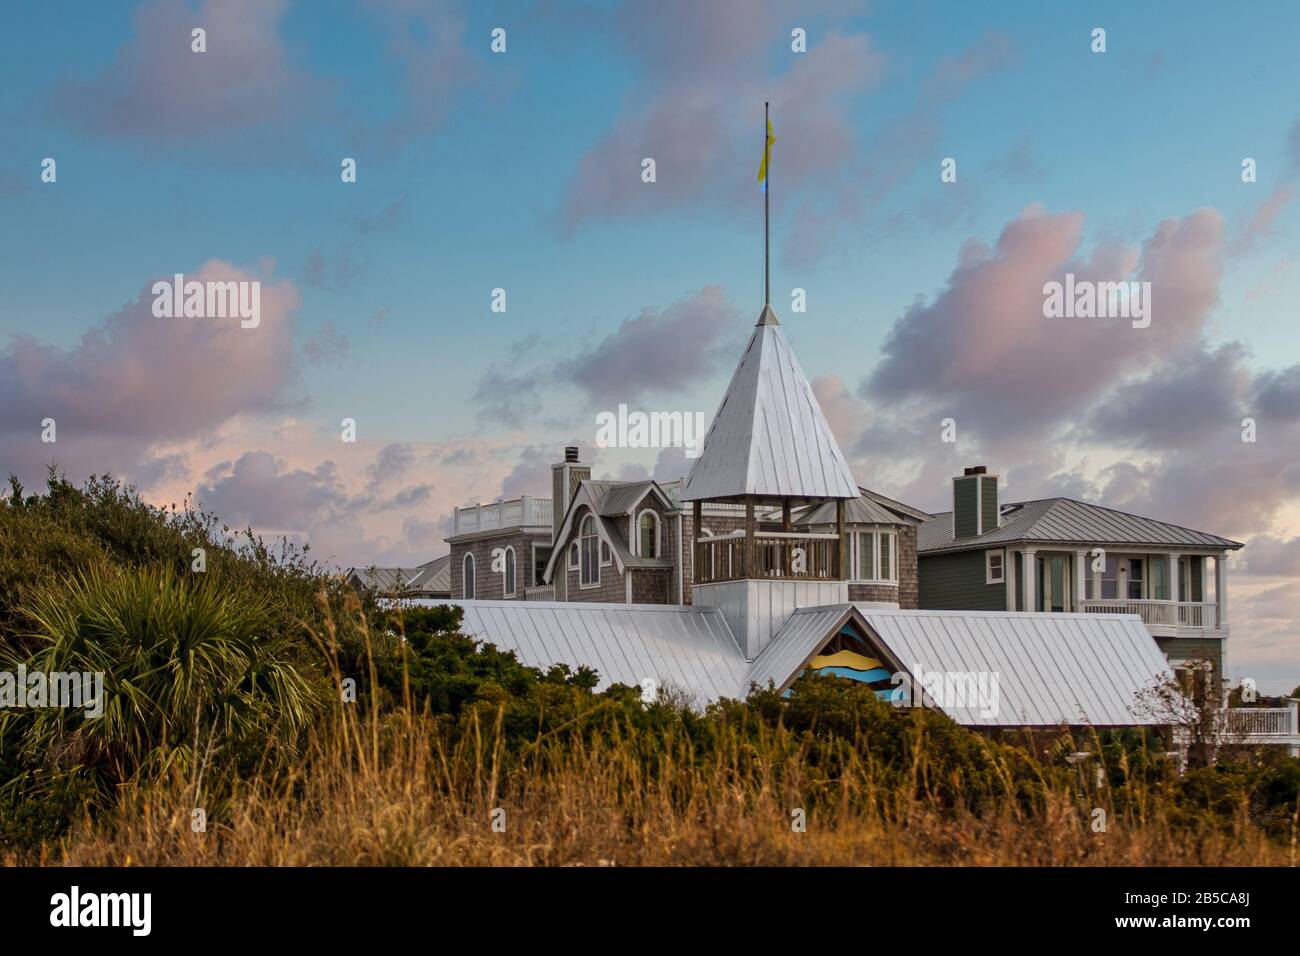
(974, 503)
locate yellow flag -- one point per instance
(762, 167)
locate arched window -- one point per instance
(648, 534)
(590, 542)
(573, 556)
(509, 572)
(467, 581)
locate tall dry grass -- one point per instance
(398, 793)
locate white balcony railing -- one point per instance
(1195, 614)
(517, 512)
(1261, 721)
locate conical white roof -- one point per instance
(769, 436)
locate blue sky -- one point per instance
(521, 170)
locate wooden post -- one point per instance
(696, 551)
(747, 561)
(786, 550)
(841, 552)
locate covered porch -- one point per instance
(1171, 591)
(754, 553)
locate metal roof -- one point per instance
(1067, 521)
(433, 576)
(803, 633)
(683, 647)
(769, 436)
(1051, 669)
(856, 511)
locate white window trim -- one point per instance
(468, 561)
(532, 566)
(509, 558)
(659, 541)
(988, 567)
(599, 546)
(575, 556)
(877, 535)
(604, 546)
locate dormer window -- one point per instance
(648, 534)
(589, 549)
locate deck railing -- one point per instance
(773, 555)
(1196, 614)
(1261, 721)
(524, 511)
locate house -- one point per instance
(1062, 556)
(429, 580)
(769, 561)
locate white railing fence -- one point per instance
(1160, 613)
(525, 511)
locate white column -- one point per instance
(1174, 580)
(1031, 572)
(1221, 588)
(1009, 564)
(1096, 579)
(1205, 579)
(1080, 572)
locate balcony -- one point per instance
(1258, 722)
(769, 555)
(518, 512)
(1172, 615)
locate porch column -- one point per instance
(749, 551)
(1031, 572)
(1174, 581)
(1096, 579)
(1205, 579)
(1009, 571)
(1080, 579)
(842, 546)
(1221, 588)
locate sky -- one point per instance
(522, 170)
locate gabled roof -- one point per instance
(1051, 669)
(769, 436)
(433, 575)
(896, 506)
(1067, 521)
(608, 500)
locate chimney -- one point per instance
(974, 503)
(566, 476)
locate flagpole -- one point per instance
(767, 188)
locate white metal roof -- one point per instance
(688, 648)
(769, 436)
(1052, 668)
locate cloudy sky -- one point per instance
(522, 171)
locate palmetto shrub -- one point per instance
(191, 673)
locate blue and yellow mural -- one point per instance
(848, 655)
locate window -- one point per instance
(1110, 579)
(590, 558)
(1135, 579)
(873, 556)
(573, 555)
(541, 557)
(605, 555)
(467, 580)
(509, 572)
(994, 571)
(648, 536)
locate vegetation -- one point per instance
(313, 727)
